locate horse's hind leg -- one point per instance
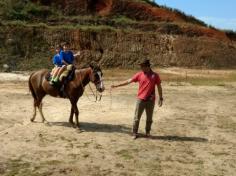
(41, 111)
(38, 103)
(76, 115)
(34, 113)
(74, 110)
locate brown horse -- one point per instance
(74, 89)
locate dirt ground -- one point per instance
(193, 134)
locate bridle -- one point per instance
(96, 82)
(92, 79)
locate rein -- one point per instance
(95, 96)
(111, 97)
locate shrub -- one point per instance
(231, 34)
(24, 10)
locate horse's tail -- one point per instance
(31, 88)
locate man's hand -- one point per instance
(160, 102)
(77, 54)
(113, 86)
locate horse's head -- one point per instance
(97, 77)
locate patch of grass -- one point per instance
(232, 77)
(206, 82)
(123, 20)
(18, 167)
(96, 28)
(51, 163)
(179, 80)
(226, 124)
(125, 154)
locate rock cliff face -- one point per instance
(165, 37)
(29, 48)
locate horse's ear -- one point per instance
(91, 65)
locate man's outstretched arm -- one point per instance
(122, 84)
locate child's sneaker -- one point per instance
(55, 80)
(51, 82)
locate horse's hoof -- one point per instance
(32, 120)
(45, 121)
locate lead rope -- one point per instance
(83, 87)
(93, 93)
(111, 97)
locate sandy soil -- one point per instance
(193, 133)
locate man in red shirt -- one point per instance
(147, 80)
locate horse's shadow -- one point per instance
(110, 128)
(96, 127)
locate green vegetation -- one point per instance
(18, 167)
(201, 80)
(123, 19)
(125, 154)
(25, 11)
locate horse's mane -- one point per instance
(92, 65)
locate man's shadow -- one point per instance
(110, 128)
(175, 138)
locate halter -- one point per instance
(96, 96)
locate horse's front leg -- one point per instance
(71, 115)
(76, 115)
(41, 112)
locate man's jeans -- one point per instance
(148, 105)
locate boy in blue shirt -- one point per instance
(66, 55)
(59, 66)
(63, 58)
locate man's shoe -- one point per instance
(148, 135)
(135, 136)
